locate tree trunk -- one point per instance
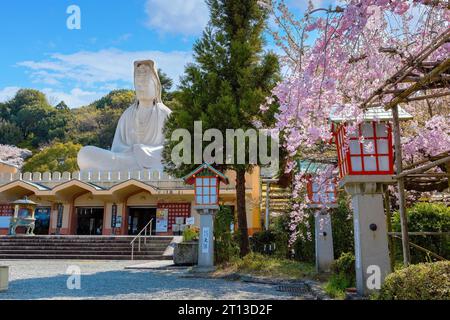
(241, 212)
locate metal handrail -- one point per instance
(138, 237)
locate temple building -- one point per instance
(114, 203)
(121, 190)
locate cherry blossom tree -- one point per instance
(336, 57)
(13, 155)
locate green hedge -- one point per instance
(428, 281)
(426, 217)
(342, 226)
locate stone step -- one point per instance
(91, 248)
(82, 237)
(79, 240)
(71, 244)
(81, 252)
(84, 248)
(80, 257)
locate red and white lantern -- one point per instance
(368, 150)
(206, 181)
(322, 193)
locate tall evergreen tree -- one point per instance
(225, 86)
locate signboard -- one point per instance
(205, 240)
(162, 220)
(114, 216)
(6, 212)
(119, 222)
(42, 216)
(4, 222)
(190, 221)
(59, 221)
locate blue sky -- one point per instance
(80, 66)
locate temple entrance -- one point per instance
(90, 221)
(138, 218)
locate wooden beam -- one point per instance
(419, 84)
(401, 188)
(431, 253)
(428, 175)
(437, 157)
(424, 168)
(429, 96)
(438, 234)
(391, 243)
(390, 83)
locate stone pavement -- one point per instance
(47, 280)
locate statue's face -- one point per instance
(145, 83)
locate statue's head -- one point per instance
(146, 81)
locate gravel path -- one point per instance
(47, 280)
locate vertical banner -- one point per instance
(114, 216)
(60, 216)
(162, 220)
(205, 240)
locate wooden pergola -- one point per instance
(419, 79)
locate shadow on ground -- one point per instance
(132, 284)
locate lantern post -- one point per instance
(322, 197)
(24, 211)
(366, 164)
(206, 181)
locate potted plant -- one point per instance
(186, 252)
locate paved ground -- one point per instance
(110, 280)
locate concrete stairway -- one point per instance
(82, 248)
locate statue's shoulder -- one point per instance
(129, 111)
(164, 109)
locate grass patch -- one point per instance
(336, 286)
(265, 266)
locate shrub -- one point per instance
(342, 226)
(345, 265)
(343, 277)
(431, 218)
(225, 245)
(262, 265)
(427, 281)
(190, 235)
(277, 238)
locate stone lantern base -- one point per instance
(370, 230)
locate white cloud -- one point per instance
(188, 17)
(8, 93)
(90, 69)
(74, 99)
(90, 74)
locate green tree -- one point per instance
(9, 133)
(30, 121)
(226, 85)
(23, 98)
(117, 99)
(59, 157)
(166, 84)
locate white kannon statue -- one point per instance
(138, 142)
